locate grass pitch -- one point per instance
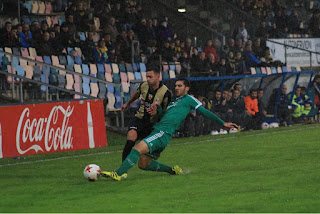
(275, 170)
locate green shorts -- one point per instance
(157, 141)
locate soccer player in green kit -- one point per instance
(148, 150)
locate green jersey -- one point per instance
(177, 112)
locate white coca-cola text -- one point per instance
(47, 131)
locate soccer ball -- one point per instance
(92, 172)
(274, 125)
(265, 125)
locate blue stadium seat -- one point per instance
(118, 100)
(47, 59)
(165, 75)
(85, 80)
(129, 67)
(62, 60)
(135, 67)
(137, 76)
(142, 67)
(122, 68)
(78, 60)
(70, 60)
(110, 88)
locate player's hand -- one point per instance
(124, 107)
(230, 125)
(152, 110)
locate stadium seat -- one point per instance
(288, 68)
(42, 8)
(107, 68)
(263, 70)
(28, 5)
(165, 67)
(35, 7)
(268, 70)
(36, 73)
(82, 36)
(24, 52)
(142, 67)
(130, 76)
(20, 70)
(45, 77)
(100, 68)
(70, 81)
(53, 79)
(108, 77)
(55, 60)
(23, 62)
(11, 70)
(77, 81)
(178, 68)
(126, 97)
(96, 22)
(70, 60)
(85, 80)
(137, 75)
(48, 8)
(62, 60)
(253, 70)
(298, 68)
(15, 61)
(172, 67)
(165, 75)
(117, 95)
(122, 68)
(172, 74)
(47, 60)
(258, 70)
(284, 69)
(144, 76)
(125, 87)
(102, 90)
(116, 77)
(30, 62)
(111, 101)
(16, 51)
(115, 68)
(273, 70)
(29, 71)
(54, 20)
(94, 83)
(110, 88)
(129, 67)
(77, 60)
(293, 68)
(124, 77)
(49, 21)
(78, 50)
(135, 67)
(32, 52)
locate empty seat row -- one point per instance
(39, 7)
(273, 70)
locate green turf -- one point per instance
(275, 170)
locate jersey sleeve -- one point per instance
(210, 115)
(194, 102)
(139, 89)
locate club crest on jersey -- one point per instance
(150, 96)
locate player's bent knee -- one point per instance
(132, 135)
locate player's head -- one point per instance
(153, 76)
(182, 87)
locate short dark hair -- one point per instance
(259, 89)
(253, 90)
(185, 81)
(153, 68)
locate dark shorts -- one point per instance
(143, 128)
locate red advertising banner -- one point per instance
(51, 127)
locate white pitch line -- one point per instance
(178, 144)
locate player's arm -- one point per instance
(133, 97)
(214, 117)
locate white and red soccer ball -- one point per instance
(92, 172)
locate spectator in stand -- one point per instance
(195, 63)
(249, 58)
(284, 107)
(6, 33)
(79, 14)
(262, 32)
(240, 65)
(231, 45)
(237, 107)
(213, 66)
(274, 32)
(111, 28)
(280, 20)
(267, 58)
(112, 57)
(64, 40)
(117, 13)
(143, 33)
(210, 49)
(238, 87)
(258, 48)
(297, 105)
(105, 15)
(71, 10)
(88, 48)
(314, 21)
(151, 29)
(294, 22)
(261, 105)
(185, 64)
(45, 47)
(129, 19)
(26, 36)
(165, 32)
(177, 47)
(208, 104)
(167, 53)
(107, 38)
(44, 27)
(204, 69)
(241, 32)
(188, 47)
(238, 47)
(252, 110)
(316, 86)
(57, 30)
(218, 47)
(231, 63)
(307, 103)
(72, 29)
(224, 70)
(123, 46)
(217, 109)
(36, 31)
(11, 40)
(101, 52)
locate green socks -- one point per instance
(159, 167)
(129, 162)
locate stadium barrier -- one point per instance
(51, 127)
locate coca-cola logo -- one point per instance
(51, 132)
